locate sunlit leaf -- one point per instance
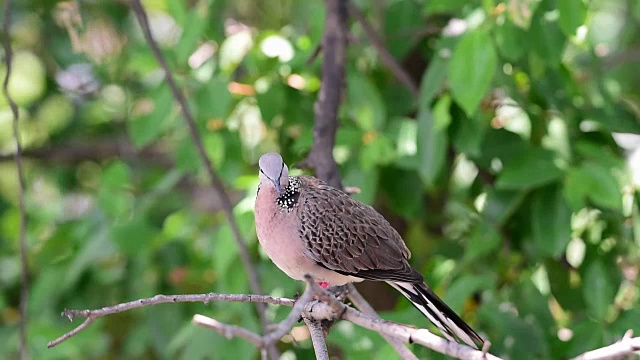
(572, 15)
(471, 69)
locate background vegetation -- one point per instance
(511, 172)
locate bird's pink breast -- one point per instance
(278, 234)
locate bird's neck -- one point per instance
(288, 200)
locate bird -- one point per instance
(306, 227)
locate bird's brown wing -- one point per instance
(349, 237)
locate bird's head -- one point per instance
(273, 172)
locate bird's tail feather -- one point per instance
(441, 315)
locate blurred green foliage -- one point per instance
(512, 176)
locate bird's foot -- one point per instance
(323, 284)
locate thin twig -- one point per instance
(624, 347)
(24, 268)
(285, 325)
(386, 57)
(216, 182)
(228, 331)
(410, 335)
(405, 333)
(359, 301)
(162, 299)
(334, 45)
(317, 338)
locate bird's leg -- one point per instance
(323, 284)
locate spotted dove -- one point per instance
(308, 227)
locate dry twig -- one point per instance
(24, 268)
(228, 331)
(317, 338)
(626, 346)
(362, 304)
(386, 57)
(161, 299)
(216, 182)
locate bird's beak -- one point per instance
(278, 188)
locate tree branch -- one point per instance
(317, 338)
(284, 326)
(215, 180)
(334, 45)
(626, 346)
(24, 268)
(161, 299)
(228, 331)
(327, 307)
(386, 57)
(405, 333)
(359, 301)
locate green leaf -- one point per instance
(468, 132)
(500, 204)
(115, 176)
(587, 335)
(187, 157)
(112, 195)
(483, 240)
(272, 102)
(629, 319)
(378, 151)
(364, 103)
(531, 169)
(511, 40)
(599, 290)
(196, 22)
(520, 11)
(464, 287)
(225, 249)
(149, 127)
(547, 39)
(550, 221)
(500, 144)
(433, 80)
(214, 147)
(433, 140)
(604, 189)
(365, 180)
(134, 236)
(401, 17)
(566, 293)
(572, 15)
(178, 10)
(214, 100)
(471, 69)
(434, 7)
(594, 182)
(405, 188)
